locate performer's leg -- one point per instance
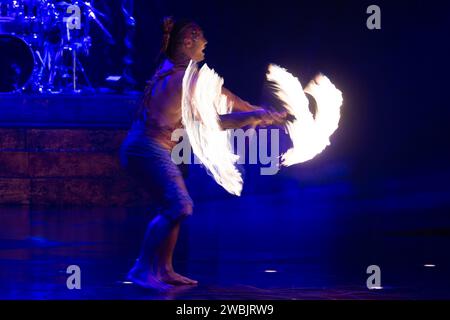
(144, 272)
(165, 263)
(156, 171)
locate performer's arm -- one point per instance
(254, 118)
(238, 103)
(237, 120)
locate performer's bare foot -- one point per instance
(147, 279)
(173, 278)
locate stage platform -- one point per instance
(98, 110)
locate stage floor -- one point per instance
(315, 242)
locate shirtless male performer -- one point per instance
(146, 152)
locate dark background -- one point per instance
(395, 115)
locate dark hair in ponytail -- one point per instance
(172, 30)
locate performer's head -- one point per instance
(183, 39)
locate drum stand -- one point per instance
(76, 64)
(59, 70)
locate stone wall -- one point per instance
(65, 160)
(64, 167)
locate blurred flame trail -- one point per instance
(309, 136)
(202, 102)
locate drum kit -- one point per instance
(41, 42)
